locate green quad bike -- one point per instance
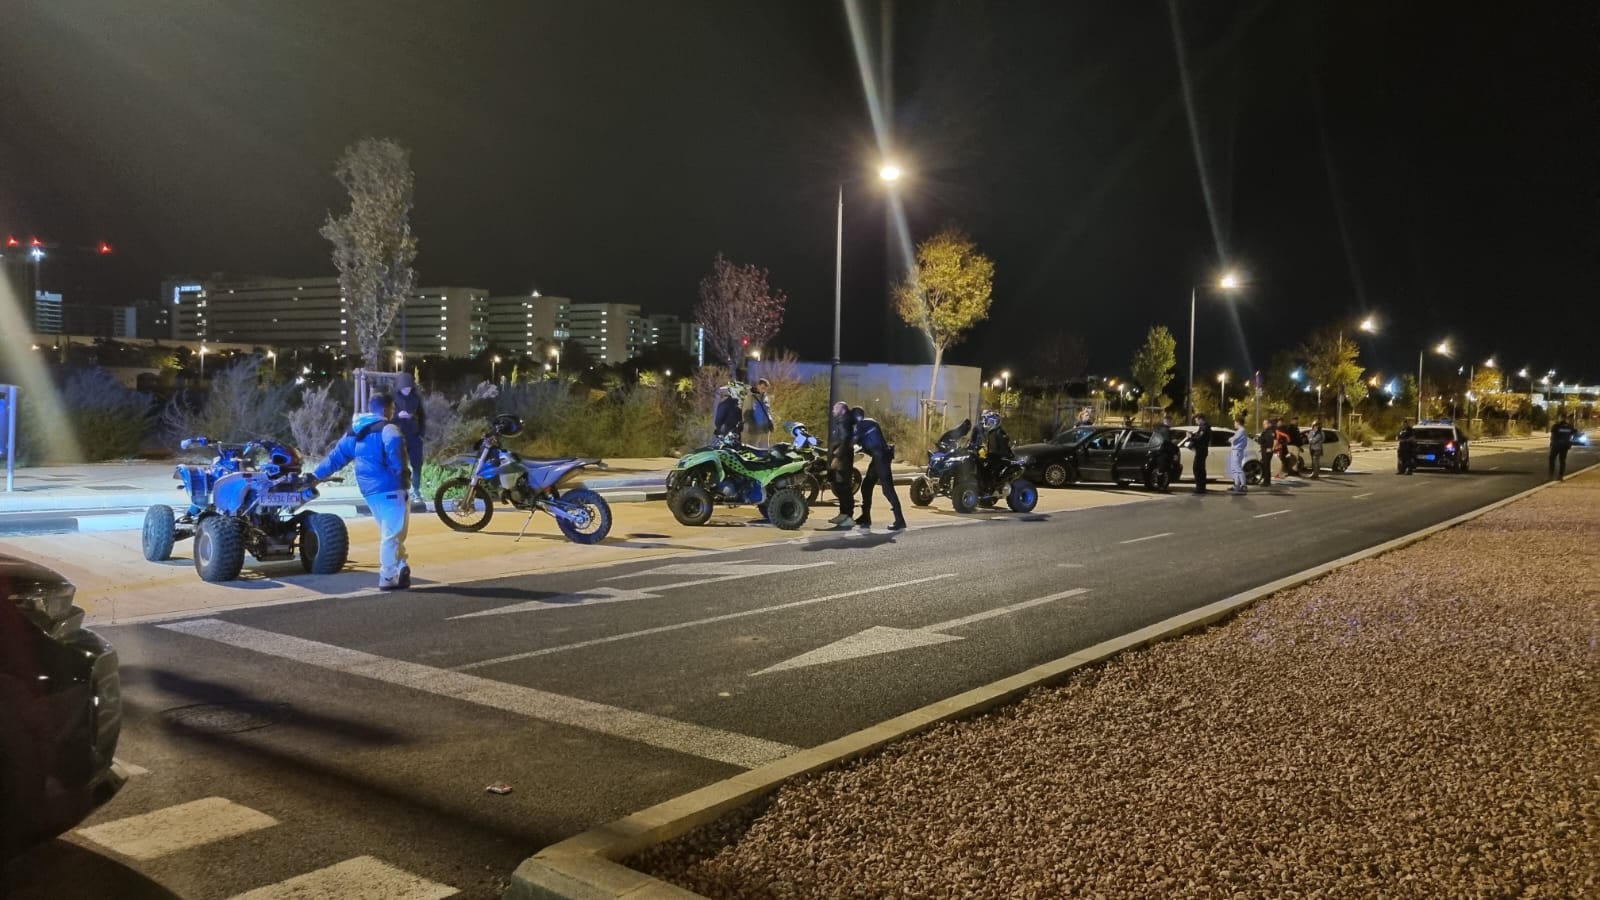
(732, 475)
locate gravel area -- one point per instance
(1421, 724)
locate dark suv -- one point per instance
(1442, 446)
(60, 709)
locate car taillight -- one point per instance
(1449, 445)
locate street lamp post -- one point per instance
(202, 362)
(1006, 378)
(887, 173)
(1222, 398)
(556, 352)
(1443, 350)
(1228, 282)
(1370, 326)
(494, 364)
(273, 355)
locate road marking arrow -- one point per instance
(883, 639)
(595, 596)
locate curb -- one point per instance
(586, 865)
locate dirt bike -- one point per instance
(966, 475)
(495, 474)
(816, 474)
(258, 510)
(730, 474)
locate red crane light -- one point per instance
(11, 241)
(105, 249)
(36, 242)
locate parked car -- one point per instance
(1335, 453)
(1441, 445)
(60, 709)
(1088, 453)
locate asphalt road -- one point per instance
(358, 735)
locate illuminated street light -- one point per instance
(1006, 376)
(1443, 349)
(556, 352)
(888, 173)
(494, 362)
(203, 352)
(1222, 402)
(1230, 281)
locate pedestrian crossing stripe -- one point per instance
(175, 828)
(361, 878)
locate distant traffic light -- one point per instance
(11, 241)
(105, 249)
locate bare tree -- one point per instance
(373, 246)
(737, 310)
(947, 292)
(1061, 358)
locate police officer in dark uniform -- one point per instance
(870, 436)
(1200, 443)
(1266, 441)
(1561, 435)
(1406, 449)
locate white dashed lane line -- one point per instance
(176, 828)
(362, 878)
(1148, 537)
(1276, 512)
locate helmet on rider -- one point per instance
(506, 424)
(737, 390)
(990, 420)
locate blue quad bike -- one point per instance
(497, 475)
(249, 499)
(958, 469)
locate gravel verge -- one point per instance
(1424, 723)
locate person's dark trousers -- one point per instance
(414, 453)
(1266, 468)
(1199, 473)
(842, 490)
(1316, 465)
(879, 473)
(1558, 463)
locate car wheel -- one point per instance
(1341, 463)
(160, 531)
(1056, 475)
(922, 492)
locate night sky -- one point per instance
(1437, 164)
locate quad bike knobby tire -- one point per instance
(324, 543)
(160, 532)
(691, 505)
(219, 549)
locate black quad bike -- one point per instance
(972, 481)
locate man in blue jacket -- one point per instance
(377, 448)
(869, 434)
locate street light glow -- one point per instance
(1489, 363)
(889, 172)
(1229, 281)
(1369, 325)
(1443, 349)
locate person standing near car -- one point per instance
(378, 450)
(1406, 449)
(1268, 440)
(1561, 435)
(842, 462)
(1238, 449)
(870, 436)
(412, 418)
(1314, 442)
(1165, 450)
(1200, 443)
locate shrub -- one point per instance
(110, 420)
(236, 408)
(318, 423)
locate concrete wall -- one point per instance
(880, 385)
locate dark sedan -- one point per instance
(1442, 445)
(60, 709)
(1090, 453)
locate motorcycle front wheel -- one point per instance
(463, 505)
(922, 491)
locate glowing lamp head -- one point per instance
(889, 172)
(1230, 281)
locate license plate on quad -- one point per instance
(277, 499)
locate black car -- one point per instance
(1098, 454)
(1442, 446)
(60, 709)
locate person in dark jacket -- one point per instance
(991, 439)
(376, 447)
(870, 436)
(1166, 449)
(1406, 450)
(1267, 441)
(728, 419)
(1561, 435)
(1200, 443)
(1314, 442)
(412, 419)
(842, 462)
(761, 423)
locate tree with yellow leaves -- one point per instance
(947, 292)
